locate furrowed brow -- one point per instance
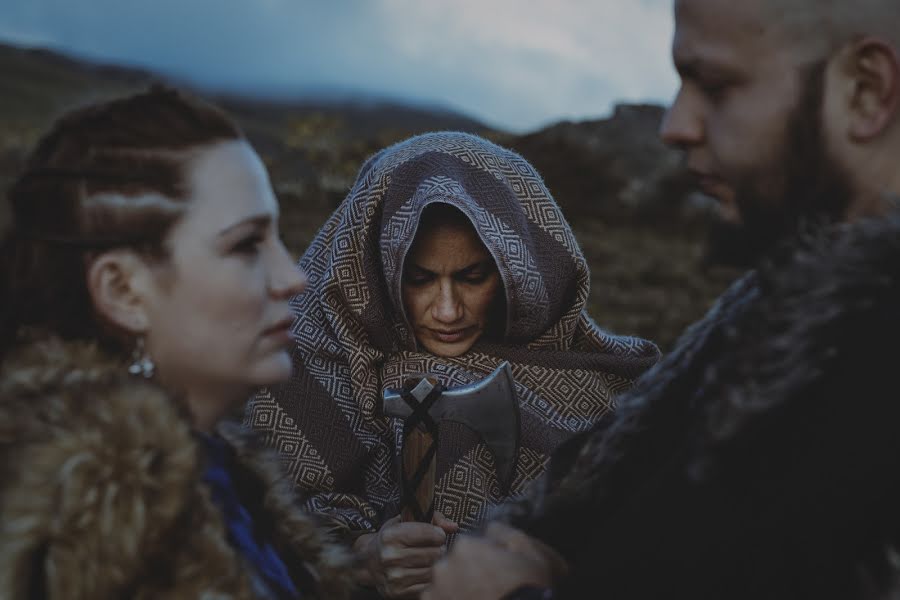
(418, 269)
(482, 264)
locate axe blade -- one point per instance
(488, 407)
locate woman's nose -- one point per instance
(288, 279)
(447, 307)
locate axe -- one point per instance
(488, 407)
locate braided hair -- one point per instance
(110, 175)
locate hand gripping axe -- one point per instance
(488, 407)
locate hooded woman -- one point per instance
(448, 257)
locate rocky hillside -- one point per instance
(615, 168)
(620, 187)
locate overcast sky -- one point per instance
(514, 64)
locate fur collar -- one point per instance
(102, 494)
(776, 409)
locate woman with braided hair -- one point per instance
(449, 256)
(145, 295)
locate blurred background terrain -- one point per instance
(641, 228)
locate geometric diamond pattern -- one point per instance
(352, 341)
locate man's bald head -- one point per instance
(819, 27)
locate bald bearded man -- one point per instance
(761, 458)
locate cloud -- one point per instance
(544, 58)
(516, 64)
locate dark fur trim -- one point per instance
(761, 456)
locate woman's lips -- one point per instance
(280, 331)
(281, 336)
(451, 336)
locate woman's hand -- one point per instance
(397, 560)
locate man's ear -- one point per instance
(873, 69)
(117, 281)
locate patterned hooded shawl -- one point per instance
(353, 340)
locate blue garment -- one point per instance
(239, 524)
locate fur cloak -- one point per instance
(761, 458)
(102, 494)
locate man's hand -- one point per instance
(398, 559)
(492, 566)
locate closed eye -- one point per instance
(474, 277)
(417, 276)
(475, 274)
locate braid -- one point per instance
(107, 175)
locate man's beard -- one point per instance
(809, 189)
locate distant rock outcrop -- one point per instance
(615, 168)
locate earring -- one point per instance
(141, 363)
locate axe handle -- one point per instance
(414, 449)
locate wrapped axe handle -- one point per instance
(416, 456)
(419, 453)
